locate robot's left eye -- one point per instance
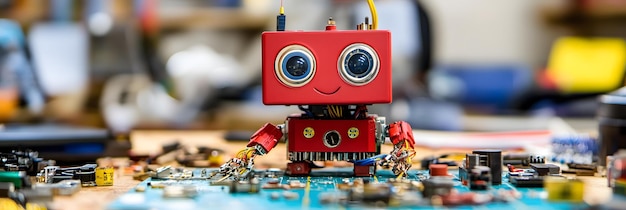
(358, 64)
(295, 65)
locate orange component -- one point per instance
(267, 137)
(8, 103)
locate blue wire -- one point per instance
(368, 161)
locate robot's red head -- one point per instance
(326, 67)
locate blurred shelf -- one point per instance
(212, 18)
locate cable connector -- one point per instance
(281, 19)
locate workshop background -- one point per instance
(145, 64)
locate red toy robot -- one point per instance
(331, 76)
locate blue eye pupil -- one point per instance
(297, 66)
(359, 64)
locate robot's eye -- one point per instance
(358, 64)
(295, 65)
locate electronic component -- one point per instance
(86, 174)
(574, 149)
(546, 169)
(570, 190)
(28, 161)
(522, 160)
(480, 178)
(371, 193)
(470, 161)
(18, 178)
(437, 186)
(527, 181)
(494, 162)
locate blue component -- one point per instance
(296, 65)
(574, 149)
(359, 63)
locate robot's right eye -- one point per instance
(295, 65)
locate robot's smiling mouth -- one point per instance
(327, 93)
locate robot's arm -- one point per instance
(401, 135)
(261, 142)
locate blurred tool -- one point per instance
(61, 75)
(587, 65)
(612, 122)
(16, 73)
(485, 88)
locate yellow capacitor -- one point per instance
(104, 176)
(560, 189)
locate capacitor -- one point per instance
(438, 170)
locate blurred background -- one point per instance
(111, 66)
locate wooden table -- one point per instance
(150, 142)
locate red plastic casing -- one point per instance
(326, 47)
(364, 142)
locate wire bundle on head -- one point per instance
(335, 111)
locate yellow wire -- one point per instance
(374, 14)
(330, 111)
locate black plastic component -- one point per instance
(86, 176)
(58, 178)
(480, 178)
(612, 124)
(520, 160)
(437, 186)
(525, 181)
(280, 22)
(494, 162)
(546, 169)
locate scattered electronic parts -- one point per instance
(526, 181)
(480, 178)
(437, 186)
(545, 169)
(89, 175)
(522, 160)
(493, 160)
(574, 149)
(581, 169)
(28, 161)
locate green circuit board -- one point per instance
(319, 185)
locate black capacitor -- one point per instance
(494, 162)
(612, 124)
(85, 176)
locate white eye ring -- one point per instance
(350, 71)
(291, 78)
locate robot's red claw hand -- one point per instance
(401, 135)
(261, 142)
